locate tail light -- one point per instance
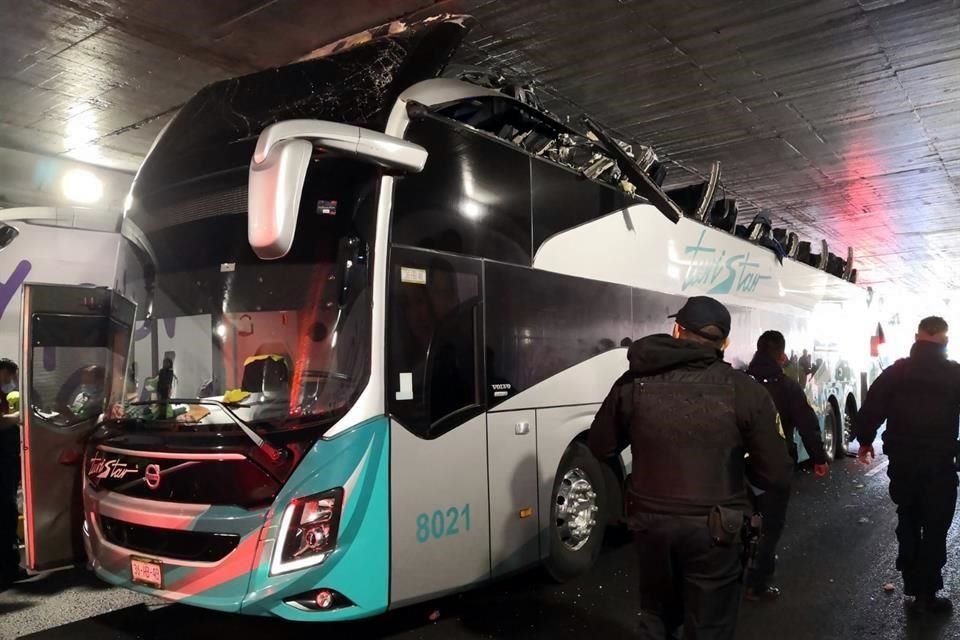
(308, 531)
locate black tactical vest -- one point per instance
(688, 454)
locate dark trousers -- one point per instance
(772, 506)
(925, 492)
(9, 481)
(685, 579)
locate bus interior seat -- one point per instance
(836, 265)
(760, 232)
(759, 229)
(90, 374)
(823, 258)
(658, 173)
(817, 260)
(780, 235)
(848, 267)
(688, 198)
(788, 240)
(723, 215)
(792, 245)
(266, 374)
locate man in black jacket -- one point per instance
(919, 398)
(10, 570)
(689, 419)
(796, 415)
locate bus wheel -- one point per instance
(848, 414)
(830, 434)
(578, 514)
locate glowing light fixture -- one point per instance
(472, 209)
(81, 186)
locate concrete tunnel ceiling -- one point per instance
(838, 117)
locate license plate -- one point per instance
(147, 571)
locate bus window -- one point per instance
(473, 196)
(541, 323)
(435, 326)
(68, 373)
(563, 199)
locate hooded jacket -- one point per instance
(795, 412)
(689, 419)
(919, 397)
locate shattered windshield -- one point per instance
(216, 129)
(223, 336)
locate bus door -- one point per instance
(440, 534)
(74, 341)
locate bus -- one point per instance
(362, 318)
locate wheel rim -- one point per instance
(829, 437)
(576, 508)
(847, 430)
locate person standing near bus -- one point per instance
(10, 569)
(919, 398)
(796, 415)
(689, 418)
(806, 368)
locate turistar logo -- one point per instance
(102, 468)
(719, 273)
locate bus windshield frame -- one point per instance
(283, 344)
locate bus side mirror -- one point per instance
(279, 167)
(273, 199)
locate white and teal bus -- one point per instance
(362, 318)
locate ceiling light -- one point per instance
(81, 186)
(472, 209)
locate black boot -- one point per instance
(757, 594)
(931, 603)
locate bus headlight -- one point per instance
(308, 531)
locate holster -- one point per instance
(725, 526)
(752, 530)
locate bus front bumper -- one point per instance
(213, 582)
(245, 580)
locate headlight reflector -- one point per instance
(308, 531)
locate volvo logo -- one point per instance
(151, 475)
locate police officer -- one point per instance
(919, 398)
(689, 419)
(796, 415)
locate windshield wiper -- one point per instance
(272, 452)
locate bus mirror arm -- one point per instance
(279, 165)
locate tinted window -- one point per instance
(71, 360)
(473, 196)
(540, 323)
(435, 327)
(7, 235)
(563, 199)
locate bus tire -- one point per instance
(578, 514)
